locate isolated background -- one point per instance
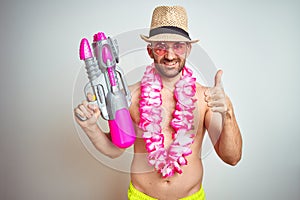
(256, 43)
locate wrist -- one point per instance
(91, 130)
(228, 116)
(228, 111)
(89, 126)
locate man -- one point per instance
(171, 113)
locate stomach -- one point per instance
(150, 182)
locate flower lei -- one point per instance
(167, 161)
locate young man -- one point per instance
(171, 113)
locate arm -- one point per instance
(227, 140)
(222, 125)
(99, 139)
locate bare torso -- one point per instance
(143, 176)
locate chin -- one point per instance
(169, 69)
(170, 73)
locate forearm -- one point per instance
(102, 141)
(229, 145)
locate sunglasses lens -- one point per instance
(161, 48)
(180, 48)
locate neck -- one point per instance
(170, 82)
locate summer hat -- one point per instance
(169, 23)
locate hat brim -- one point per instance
(168, 37)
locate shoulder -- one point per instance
(135, 98)
(200, 96)
(135, 85)
(200, 89)
(135, 90)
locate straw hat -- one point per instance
(169, 23)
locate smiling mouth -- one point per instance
(170, 63)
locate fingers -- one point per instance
(216, 99)
(92, 107)
(79, 115)
(95, 109)
(88, 110)
(214, 96)
(84, 110)
(215, 104)
(220, 109)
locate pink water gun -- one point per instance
(109, 86)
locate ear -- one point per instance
(149, 50)
(189, 49)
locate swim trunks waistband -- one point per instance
(134, 194)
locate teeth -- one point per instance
(170, 63)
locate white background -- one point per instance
(256, 43)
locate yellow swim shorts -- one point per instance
(134, 194)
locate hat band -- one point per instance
(169, 29)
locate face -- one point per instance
(169, 57)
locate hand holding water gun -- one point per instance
(109, 88)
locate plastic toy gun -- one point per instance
(110, 89)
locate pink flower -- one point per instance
(167, 162)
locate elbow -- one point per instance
(233, 160)
(116, 154)
(230, 157)
(112, 154)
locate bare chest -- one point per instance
(168, 107)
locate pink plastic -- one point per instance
(85, 49)
(99, 36)
(106, 55)
(111, 76)
(121, 129)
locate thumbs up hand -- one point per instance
(215, 96)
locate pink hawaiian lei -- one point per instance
(167, 161)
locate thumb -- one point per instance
(91, 97)
(218, 78)
(95, 108)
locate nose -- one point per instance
(170, 54)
